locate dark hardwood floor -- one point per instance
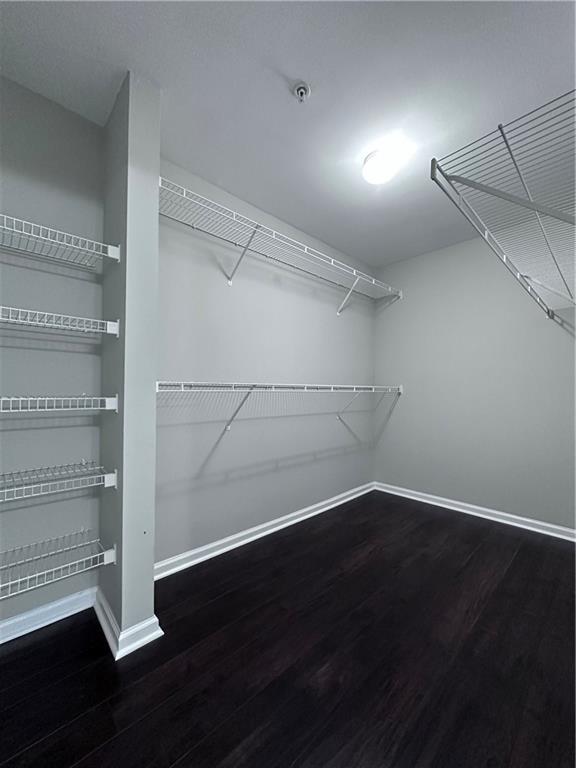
(383, 634)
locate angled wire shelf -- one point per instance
(44, 562)
(42, 481)
(36, 318)
(47, 243)
(57, 403)
(204, 215)
(213, 396)
(516, 186)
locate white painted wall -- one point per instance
(488, 411)
(270, 325)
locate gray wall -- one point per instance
(488, 411)
(286, 452)
(51, 172)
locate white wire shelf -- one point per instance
(36, 318)
(36, 565)
(201, 386)
(42, 481)
(47, 243)
(57, 403)
(204, 215)
(516, 186)
(258, 395)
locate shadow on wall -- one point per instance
(285, 463)
(203, 424)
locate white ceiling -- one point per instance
(444, 73)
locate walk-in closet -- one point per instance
(287, 384)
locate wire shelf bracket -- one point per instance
(204, 215)
(54, 403)
(36, 318)
(47, 243)
(43, 481)
(35, 565)
(516, 187)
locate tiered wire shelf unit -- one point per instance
(245, 391)
(250, 237)
(57, 403)
(43, 481)
(37, 318)
(515, 186)
(35, 565)
(47, 243)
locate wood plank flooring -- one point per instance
(383, 634)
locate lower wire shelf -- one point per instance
(44, 562)
(28, 483)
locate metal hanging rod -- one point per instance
(200, 213)
(50, 403)
(44, 562)
(197, 386)
(516, 186)
(47, 243)
(36, 318)
(41, 481)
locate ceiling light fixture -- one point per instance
(392, 154)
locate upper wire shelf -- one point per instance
(47, 243)
(50, 403)
(35, 565)
(204, 215)
(516, 187)
(41, 481)
(37, 318)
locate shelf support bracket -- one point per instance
(343, 422)
(347, 297)
(539, 218)
(238, 409)
(244, 252)
(530, 204)
(349, 404)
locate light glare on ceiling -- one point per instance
(392, 154)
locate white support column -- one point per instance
(125, 602)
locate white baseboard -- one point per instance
(29, 621)
(539, 526)
(124, 642)
(215, 548)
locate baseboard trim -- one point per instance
(128, 640)
(538, 526)
(194, 556)
(30, 621)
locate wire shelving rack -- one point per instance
(245, 391)
(47, 243)
(202, 386)
(200, 213)
(516, 187)
(41, 563)
(42, 481)
(37, 318)
(57, 403)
